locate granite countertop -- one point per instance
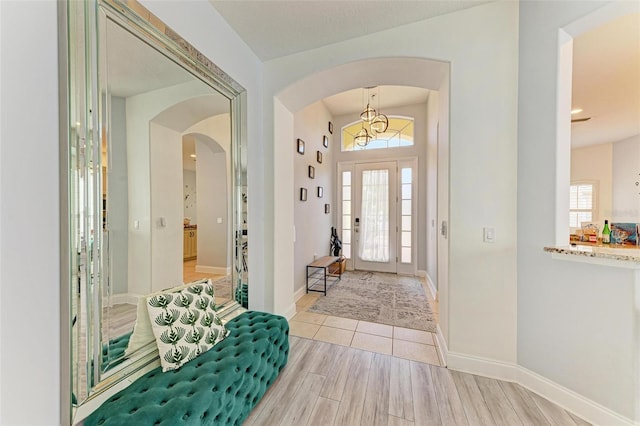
(600, 252)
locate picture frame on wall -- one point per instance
(325, 141)
(327, 208)
(300, 146)
(331, 127)
(312, 172)
(320, 192)
(303, 194)
(319, 157)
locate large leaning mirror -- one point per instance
(155, 165)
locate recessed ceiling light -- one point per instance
(576, 111)
(192, 156)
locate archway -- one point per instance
(423, 73)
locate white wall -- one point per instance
(481, 44)
(443, 207)
(207, 31)
(575, 321)
(217, 130)
(211, 169)
(431, 198)
(190, 207)
(279, 296)
(594, 163)
(626, 173)
(117, 196)
(29, 214)
(313, 226)
(165, 148)
(141, 110)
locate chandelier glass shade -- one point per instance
(368, 114)
(363, 137)
(379, 124)
(375, 122)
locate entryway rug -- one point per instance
(378, 297)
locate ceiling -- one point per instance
(605, 71)
(134, 67)
(606, 82)
(279, 28)
(384, 97)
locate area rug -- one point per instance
(378, 297)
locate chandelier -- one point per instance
(372, 122)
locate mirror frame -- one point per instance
(135, 18)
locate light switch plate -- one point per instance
(489, 235)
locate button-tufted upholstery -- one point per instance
(220, 387)
(114, 351)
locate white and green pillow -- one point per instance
(185, 324)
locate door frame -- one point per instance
(412, 161)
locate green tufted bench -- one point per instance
(220, 387)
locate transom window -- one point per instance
(399, 133)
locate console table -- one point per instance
(317, 273)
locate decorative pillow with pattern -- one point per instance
(185, 324)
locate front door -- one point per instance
(374, 218)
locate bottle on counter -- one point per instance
(606, 233)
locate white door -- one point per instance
(374, 219)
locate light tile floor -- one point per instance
(416, 345)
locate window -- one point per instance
(406, 183)
(346, 214)
(582, 203)
(399, 133)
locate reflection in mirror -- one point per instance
(158, 190)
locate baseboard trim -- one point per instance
(482, 366)
(290, 312)
(432, 287)
(118, 299)
(297, 295)
(577, 404)
(217, 270)
(569, 400)
(442, 345)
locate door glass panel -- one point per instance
(374, 227)
(406, 191)
(346, 214)
(406, 239)
(406, 207)
(405, 254)
(406, 176)
(346, 207)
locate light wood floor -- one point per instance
(189, 272)
(325, 384)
